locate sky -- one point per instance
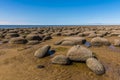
(59, 12)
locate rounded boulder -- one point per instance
(41, 52)
(60, 59)
(79, 53)
(94, 65)
(18, 40)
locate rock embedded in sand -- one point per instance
(103, 33)
(77, 40)
(119, 36)
(92, 35)
(41, 52)
(79, 53)
(99, 41)
(56, 34)
(18, 40)
(68, 43)
(5, 41)
(86, 33)
(71, 41)
(95, 66)
(58, 42)
(11, 35)
(117, 42)
(60, 59)
(47, 37)
(33, 42)
(80, 34)
(33, 37)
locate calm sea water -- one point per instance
(31, 26)
(20, 26)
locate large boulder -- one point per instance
(117, 42)
(119, 36)
(11, 35)
(56, 34)
(47, 37)
(68, 43)
(41, 52)
(79, 53)
(99, 41)
(33, 37)
(103, 33)
(18, 40)
(92, 35)
(80, 34)
(67, 34)
(115, 33)
(86, 33)
(5, 41)
(94, 65)
(60, 59)
(58, 42)
(77, 40)
(71, 41)
(33, 42)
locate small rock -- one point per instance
(40, 66)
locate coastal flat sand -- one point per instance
(18, 63)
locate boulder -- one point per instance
(98, 41)
(117, 42)
(86, 33)
(60, 59)
(18, 40)
(58, 42)
(80, 34)
(76, 40)
(47, 37)
(68, 43)
(42, 52)
(56, 34)
(94, 65)
(103, 33)
(119, 36)
(67, 34)
(5, 41)
(92, 35)
(33, 37)
(33, 42)
(79, 53)
(11, 35)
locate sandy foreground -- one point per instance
(17, 62)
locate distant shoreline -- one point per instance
(37, 26)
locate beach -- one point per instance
(18, 47)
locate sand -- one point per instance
(18, 63)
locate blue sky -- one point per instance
(59, 12)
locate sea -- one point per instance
(31, 26)
(37, 26)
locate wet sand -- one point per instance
(17, 62)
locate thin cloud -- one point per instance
(4, 22)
